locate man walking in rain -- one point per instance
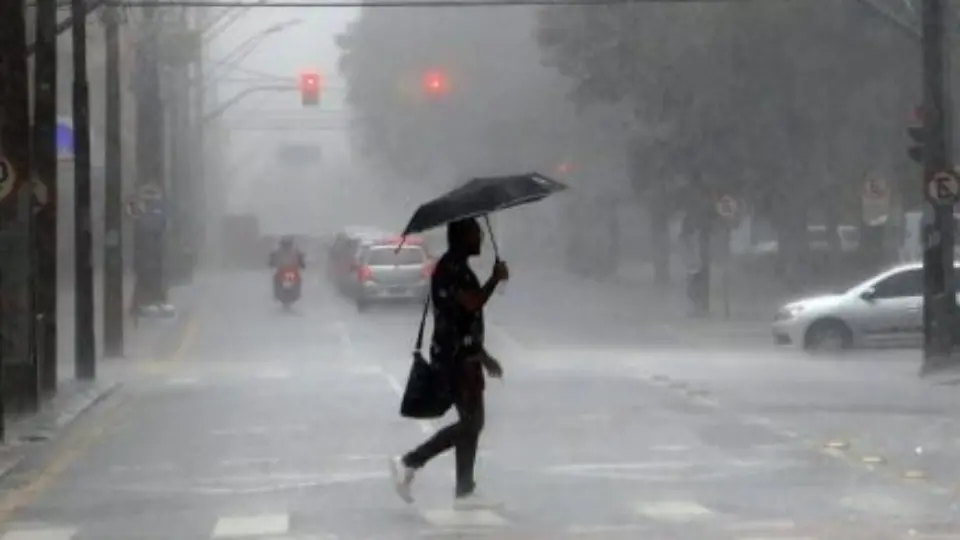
(457, 344)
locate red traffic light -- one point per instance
(436, 83)
(310, 84)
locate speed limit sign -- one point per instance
(8, 178)
(943, 188)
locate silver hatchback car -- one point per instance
(885, 310)
(385, 273)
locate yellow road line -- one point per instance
(74, 447)
(167, 365)
(79, 442)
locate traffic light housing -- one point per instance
(310, 85)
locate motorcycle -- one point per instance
(288, 285)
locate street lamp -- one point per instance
(244, 49)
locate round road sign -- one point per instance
(875, 189)
(8, 178)
(727, 206)
(943, 188)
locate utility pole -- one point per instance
(113, 193)
(939, 298)
(85, 345)
(150, 154)
(45, 165)
(15, 346)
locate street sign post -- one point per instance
(728, 207)
(8, 178)
(943, 188)
(874, 199)
(875, 189)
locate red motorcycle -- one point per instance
(288, 285)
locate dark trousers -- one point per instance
(464, 435)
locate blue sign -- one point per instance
(64, 138)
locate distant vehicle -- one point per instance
(883, 311)
(342, 257)
(289, 284)
(385, 273)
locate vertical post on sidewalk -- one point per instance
(45, 165)
(15, 136)
(939, 297)
(85, 345)
(150, 157)
(113, 193)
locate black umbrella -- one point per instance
(480, 197)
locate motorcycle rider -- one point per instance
(285, 256)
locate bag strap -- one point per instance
(423, 323)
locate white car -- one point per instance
(883, 311)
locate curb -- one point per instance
(48, 424)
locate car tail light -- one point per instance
(364, 273)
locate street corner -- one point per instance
(40, 464)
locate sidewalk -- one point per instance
(150, 339)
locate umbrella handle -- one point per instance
(493, 238)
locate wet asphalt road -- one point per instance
(611, 423)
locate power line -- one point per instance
(389, 3)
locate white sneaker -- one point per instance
(475, 501)
(402, 478)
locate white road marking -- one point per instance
(600, 529)
(243, 462)
(40, 534)
(274, 374)
(262, 430)
(674, 511)
(183, 381)
(763, 525)
(464, 518)
(347, 344)
(777, 538)
(248, 526)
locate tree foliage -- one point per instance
(788, 104)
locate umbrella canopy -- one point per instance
(482, 196)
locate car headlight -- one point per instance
(788, 312)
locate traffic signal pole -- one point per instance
(45, 165)
(113, 193)
(939, 296)
(85, 345)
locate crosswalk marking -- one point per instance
(250, 526)
(40, 534)
(464, 518)
(763, 525)
(674, 511)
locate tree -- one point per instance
(778, 103)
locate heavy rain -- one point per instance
(680, 270)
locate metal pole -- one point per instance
(113, 193)
(85, 345)
(150, 157)
(45, 165)
(16, 294)
(939, 299)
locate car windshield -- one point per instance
(389, 256)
